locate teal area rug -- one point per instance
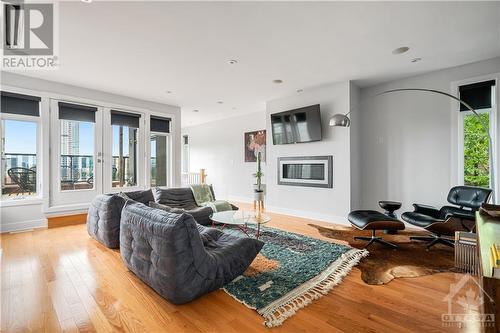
(290, 272)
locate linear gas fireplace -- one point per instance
(314, 171)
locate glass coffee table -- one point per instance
(241, 219)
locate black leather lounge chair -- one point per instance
(444, 222)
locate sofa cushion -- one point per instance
(103, 219)
(142, 196)
(175, 197)
(166, 208)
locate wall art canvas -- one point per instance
(255, 143)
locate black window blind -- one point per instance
(19, 104)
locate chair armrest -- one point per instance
(426, 210)
(462, 216)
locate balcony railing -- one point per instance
(77, 171)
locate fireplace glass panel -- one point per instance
(313, 171)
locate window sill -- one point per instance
(21, 202)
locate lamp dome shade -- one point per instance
(340, 120)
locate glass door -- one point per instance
(159, 151)
(76, 153)
(123, 165)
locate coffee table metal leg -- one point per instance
(258, 231)
(243, 229)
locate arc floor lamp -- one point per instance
(342, 120)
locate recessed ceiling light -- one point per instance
(400, 50)
(277, 81)
(220, 102)
(300, 90)
(416, 60)
(232, 62)
(86, 1)
(196, 110)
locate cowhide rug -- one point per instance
(383, 264)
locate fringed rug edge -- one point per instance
(283, 308)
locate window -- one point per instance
(160, 151)
(474, 128)
(125, 127)
(19, 142)
(77, 146)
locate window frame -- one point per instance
(461, 157)
(148, 133)
(457, 148)
(39, 189)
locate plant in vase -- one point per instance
(259, 191)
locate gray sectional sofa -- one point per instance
(103, 218)
(177, 257)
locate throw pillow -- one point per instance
(166, 208)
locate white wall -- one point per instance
(329, 204)
(355, 137)
(409, 140)
(219, 148)
(16, 217)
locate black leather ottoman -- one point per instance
(373, 220)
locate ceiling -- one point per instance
(144, 49)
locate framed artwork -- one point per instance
(255, 143)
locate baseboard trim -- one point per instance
(66, 220)
(297, 213)
(24, 225)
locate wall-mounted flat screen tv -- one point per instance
(298, 125)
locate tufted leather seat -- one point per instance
(176, 256)
(442, 222)
(373, 220)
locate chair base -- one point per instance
(374, 239)
(433, 240)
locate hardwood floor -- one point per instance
(60, 279)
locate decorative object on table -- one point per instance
(490, 210)
(466, 259)
(291, 271)
(390, 207)
(241, 219)
(255, 143)
(384, 264)
(444, 222)
(258, 195)
(342, 120)
(373, 220)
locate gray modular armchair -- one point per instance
(177, 257)
(104, 214)
(182, 197)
